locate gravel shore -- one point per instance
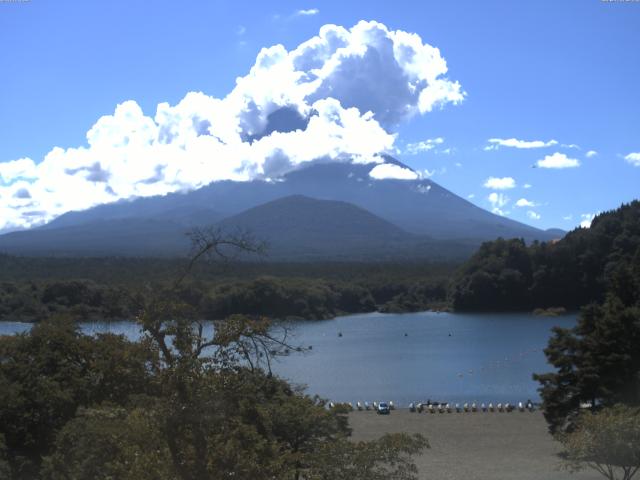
(475, 446)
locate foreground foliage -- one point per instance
(183, 403)
(598, 361)
(607, 442)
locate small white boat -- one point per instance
(500, 408)
(432, 409)
(448, 407)
(474, 407)
(490, 407)
(466, 407)
(359, 406)
(457, 408)
(332, 405)
(412, 407)
(520, 406)
(367, 406)
(483, 407)
(375, 406)
(391, 406)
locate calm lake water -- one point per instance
(444, 356)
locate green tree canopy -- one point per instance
(598, 361)
(607, 442)
(570, 273)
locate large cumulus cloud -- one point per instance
(338, 96)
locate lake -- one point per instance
(443, 356)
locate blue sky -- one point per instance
(564, 74)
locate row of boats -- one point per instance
(441, 407)
(363, 405)
(470, 407)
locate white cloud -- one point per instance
(498, 201)
(568, 217)
(495, 143)
(308, 12)
(533, 215)
(328, 99)
(503, 183)
(570, 145)
(587, 218)
(424, 189)
(558, 160)
(428, 173)
(17, 169)
(527, 185)
(471, 195)
(390, 171)
(523, 202)
(241, 30)
(591, 154)
(633, 159)
(423, 146)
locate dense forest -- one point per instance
(32, 289)
(502, 275)
(570, 273)
(597, 362)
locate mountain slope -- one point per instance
(299, 227)
(298, 217)
(418, 206)
(127, 237)
(295, 228)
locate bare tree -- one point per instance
(196, 355)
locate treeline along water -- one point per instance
(407, 357)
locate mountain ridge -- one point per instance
(420, 208)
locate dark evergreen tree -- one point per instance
(598, 361)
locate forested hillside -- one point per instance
(33, 289)
(572, 272)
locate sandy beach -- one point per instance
(475, 446)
